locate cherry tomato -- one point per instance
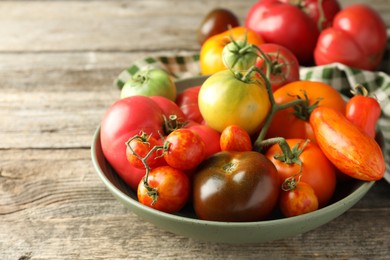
(186, 149)
(216, 21)
(188, 103)
(351, 150)
(235, 138)
(299, 200)
(225, 99)
(297, 117)
(211, 52)
(139, 147)
(284, 65)
(315, 169)
(364, 111)
(173, 189)
(124, 119)
(150, 82)
(357, 38)
(235, 186)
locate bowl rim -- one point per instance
(362, 190)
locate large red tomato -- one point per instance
(295, 27)
(358, 39)
(124, 119)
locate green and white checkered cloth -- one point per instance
(341, 77)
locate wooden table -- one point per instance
(58, 60)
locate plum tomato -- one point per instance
(185, 150)
(216, 21)
(299, 200)
(235, 138)
(351, 150)
(173, 189)
(314, 168)
(227, 99)
(235, 186)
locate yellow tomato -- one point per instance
(211, 51)
(227, 100)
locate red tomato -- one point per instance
(139, 147)
(316, 170)
(235, 138)
(169, 107)
(351, 150)
(364, 111)
(209, 136)
(284, 64)
(188, 103)
(173, 189)
(286, 24)
(297, 117)
(358, 39)
(186, 149)
(300, 200)
(124, 119)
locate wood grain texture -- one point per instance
(58, 60)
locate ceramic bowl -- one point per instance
(186, 224)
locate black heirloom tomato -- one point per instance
(235, 186)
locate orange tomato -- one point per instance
(317, 170)
(351, 150)
(211, 51)
(294, 122)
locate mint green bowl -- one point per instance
(186, 224)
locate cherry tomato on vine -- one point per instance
(351, 150)
(229, 99)
(186, 149)
(284, 65)
(173, 189)
(293, 122)
(216, 21)
(299, 200)
(363, 111)
(211, 51)
(141, 145)
(235, 186)
(315, 169)
(235, 138)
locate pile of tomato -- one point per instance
(251, 140)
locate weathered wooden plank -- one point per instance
(109, 26)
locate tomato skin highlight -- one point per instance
(173, 187)
(350, 149)
(235, 186)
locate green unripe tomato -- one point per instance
(150, 82)
(239, 55)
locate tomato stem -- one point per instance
(151, 191)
